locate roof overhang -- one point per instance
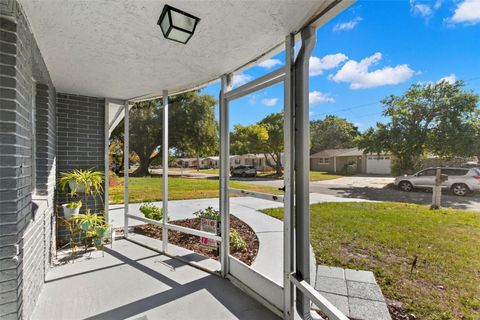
(115, 48)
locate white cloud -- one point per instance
(319, 97)
(359, 77)
(330, 61)
(270, 63)
(424, 9)
(349, 25)
(450, 78)
(241, 79)
(467, 12)
(270, 102)
(252, 98)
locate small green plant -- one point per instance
(208, 213)
(74, 204)
(151, 211)
(236, 241)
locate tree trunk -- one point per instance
(142, 171)
(198, 162)
(278, 166)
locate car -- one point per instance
(244, 171)
(471, 164)
(460, 181)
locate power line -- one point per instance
(335, 112)
(350, 108)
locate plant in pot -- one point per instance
(82, 181)
(79, 181)
(72, 208)
(93, 226)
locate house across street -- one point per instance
(351, 160)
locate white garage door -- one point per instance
(379, 164)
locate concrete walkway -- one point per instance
(269, 260)
(354, 292)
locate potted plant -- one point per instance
(81, 181)
(94, 227)
(72, 208)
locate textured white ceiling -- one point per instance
(116, 49)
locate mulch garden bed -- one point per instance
(192, 242)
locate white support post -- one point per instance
(302, 168)
(334, 164)
(125, 169)
(165, 171)
(224, 175)
(107, 160)
(437, 190)
(289, 178)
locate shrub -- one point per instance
(236, 241)
(208, 213)
(151, 211)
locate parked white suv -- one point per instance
(460, 180)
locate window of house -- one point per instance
(324, 160)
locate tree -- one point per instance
(440, 118)
(146, 133)
(192, 128)
(332, 133)
(265, 137)
(273, 145)
(248, 139)
(192, 117)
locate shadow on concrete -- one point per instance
(223, 291)
(97, 269)
(191, 257)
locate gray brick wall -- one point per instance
(41, 133)
(80, 131)
(25, 234)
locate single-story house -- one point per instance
(352, 160)
(214, 162)
(187, 162)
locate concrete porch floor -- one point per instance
(132, 282)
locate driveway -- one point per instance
(358, 182)
(379, 189)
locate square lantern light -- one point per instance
(177, 25)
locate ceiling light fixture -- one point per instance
(177, 25)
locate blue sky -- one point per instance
(372, 50)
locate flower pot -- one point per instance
(78, 187)
(69, 212)
(101, 233)
(85, 225)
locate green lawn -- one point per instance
(150, 189)
(314, 175)
(386, 237)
